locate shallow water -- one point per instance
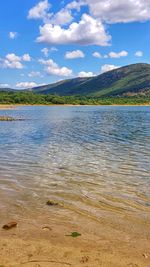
(94, 160)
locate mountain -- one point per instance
(129, 80)
(125, 81)
(6, 89)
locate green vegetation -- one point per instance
(30, 98)
(129, 80)
(129, 85)
(74, 234)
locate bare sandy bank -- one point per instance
(6, 107)
(16, 252)
(3, 107)
(98, 246)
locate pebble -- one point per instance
(9, 225)
(145, 256)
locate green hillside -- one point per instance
(129, 80)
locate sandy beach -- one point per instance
(99, 245)
(49, 245)
(7, 107)
(3, 107)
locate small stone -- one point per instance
(51, 203)
(46, 228)
(10, 225)
(145, 256)
(84, 259)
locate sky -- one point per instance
(46, 41)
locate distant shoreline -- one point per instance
(10, 106)
(3, 107)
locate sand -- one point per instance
(3, 107)
(98, 246)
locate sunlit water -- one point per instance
(94, 160)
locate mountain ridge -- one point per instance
(128, 80)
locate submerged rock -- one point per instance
(10, 225)
(9, 118)
(6, 118)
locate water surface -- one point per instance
(94, 160)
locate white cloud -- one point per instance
(53, 49)
(40, 11)
(118, 55)
(25, 85)
(53, 68)
(84, 74)
(97, 54)
(116, 11)
(34, 74)
(74, 54)
(13, 35)
(4, 85)
(138, 54)
(87, 32)
(107, 67)
(62, 17)
(75, 5)
(26, 57)
(12, 61)
(45, 51)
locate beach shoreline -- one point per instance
(45, 240)
(107, 207)
(7, 107)
(30, 246)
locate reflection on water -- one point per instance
(95, 160)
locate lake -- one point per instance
(95, 161)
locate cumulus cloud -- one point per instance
(34, 74)
(46, 50)
(84, 74)
(75, 5)
(52, 68)
(88, 31)
(12, 61)
(107, 67)
(97, 54)
(25, 85)
(62, 17)
(118, 55)
(53, 49)
(13, 35)
(138, 54)
(26, 57)
(74, 54)
(118, 11)
(40, 11)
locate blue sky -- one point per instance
(46, 41)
